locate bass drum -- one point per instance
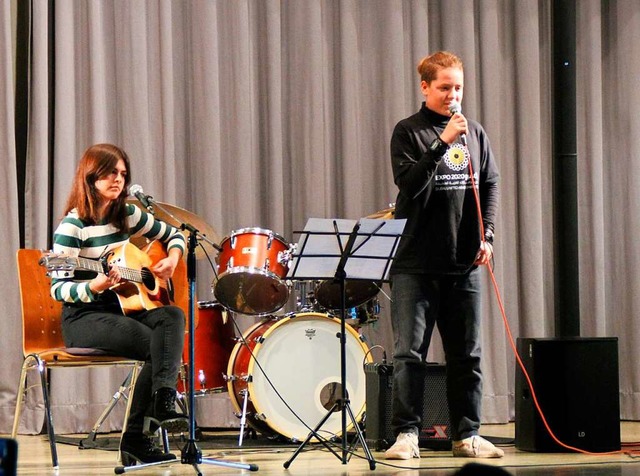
(300, 356)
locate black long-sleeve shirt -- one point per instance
(436, 198)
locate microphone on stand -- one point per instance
(146, 200)
(454, 108)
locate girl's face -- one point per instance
(111, 185)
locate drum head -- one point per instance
(300, 357)
(357, 292)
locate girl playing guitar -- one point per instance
(97, 224)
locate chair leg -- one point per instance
(135, 371)
(44, 381)
(20, 398)
(31, 362)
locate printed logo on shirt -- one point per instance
(457, 160)
(457, 157)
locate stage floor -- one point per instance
(34, 459)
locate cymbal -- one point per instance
(386, 213)
(164, 212)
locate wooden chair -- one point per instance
(42, 342)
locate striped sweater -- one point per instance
(75, 238)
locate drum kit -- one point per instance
(283, 373)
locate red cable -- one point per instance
(511, 341)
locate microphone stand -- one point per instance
(190, 453)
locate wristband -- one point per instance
(438, 147)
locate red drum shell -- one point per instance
(251, 272)
(214, 342)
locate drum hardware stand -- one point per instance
(127, 384)
(243, 415)
(318, 228)
(190, 453)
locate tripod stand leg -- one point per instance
(313, 433)
(360, 437)
(250, 467)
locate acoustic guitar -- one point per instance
(139, 289)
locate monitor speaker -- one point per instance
(435, 432)
(576, 384)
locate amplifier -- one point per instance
(435, 432)
(576, 384)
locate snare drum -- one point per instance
(251, 270)
(214, 341)
(300, 356)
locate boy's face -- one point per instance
(444, 90)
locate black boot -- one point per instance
(138, 448)
(164, 414)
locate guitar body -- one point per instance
(139, 289)
(151, 292)
(179, 295)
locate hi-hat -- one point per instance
(163, 211)
(386, 213)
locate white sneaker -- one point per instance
(405, 447)
(476, 447)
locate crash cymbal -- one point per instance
(385, 214)
(164, 212)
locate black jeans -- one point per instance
(453, 304)
(155, 337)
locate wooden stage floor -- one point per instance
(34, 459)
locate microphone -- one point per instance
(146, 200)
(454, 108)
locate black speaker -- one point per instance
(576, 384)
(435, 432)
(8, 457)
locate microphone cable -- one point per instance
(510, 335)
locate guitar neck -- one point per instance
(128, 274)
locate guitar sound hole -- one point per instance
(148, 279)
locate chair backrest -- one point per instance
(41, 314)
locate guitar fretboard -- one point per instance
(129, 274)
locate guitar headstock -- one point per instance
(57, 262)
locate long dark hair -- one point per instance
(97, 162)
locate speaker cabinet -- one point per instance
(576, 384)
(435, 432)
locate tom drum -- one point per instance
(251, 270)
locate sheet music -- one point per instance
(319, 250)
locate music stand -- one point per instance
(367, 255)
(190, 453)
